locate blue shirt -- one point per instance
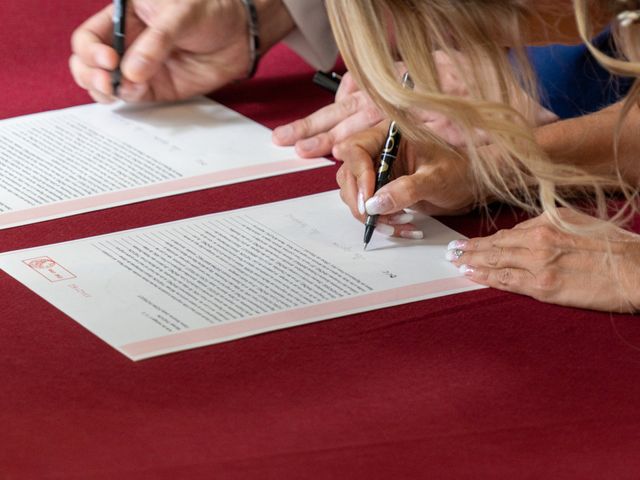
(572, 83)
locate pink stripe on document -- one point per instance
(155, 190)
(280, 319)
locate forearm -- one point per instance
(588, 142)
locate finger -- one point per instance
(402, 225)
(153, 46)
(513, 238)
(320, 121)
(91, 41)
(92, 79)
(133, 92)
(369, 140)
(323, 143)
(359, 162)
(495, 257)
(508, 279)
(347, 87)
(408, 231)
(349, 192)
(399, 194)
(101, 98)
(316, 146)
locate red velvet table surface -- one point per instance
(479, 385)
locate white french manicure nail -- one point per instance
(456, 244)
(400, 219)
(466, 270)
(385, 229)
(453, 254)
(361, 208)
(378, 204)
(412, 234)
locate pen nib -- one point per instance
(365, 246)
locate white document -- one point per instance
(85, 158)
(210, 279)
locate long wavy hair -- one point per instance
(374, 34)
(627, 40)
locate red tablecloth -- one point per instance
(479, 385)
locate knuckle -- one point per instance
(350, 104)
(372, 114)
(495, 255)
(340, 150)
(505, 277)
(302, 127)
(161, 38)
(543, 235)
(338, 133)
(348, 80)
(500, 234)
(547, 281)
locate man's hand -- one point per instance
(175, 48)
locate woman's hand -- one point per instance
(353, 111)
(537, 259)
(436, 182)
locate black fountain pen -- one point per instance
(387, 156)
(119, 15)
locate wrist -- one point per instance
(275, 22)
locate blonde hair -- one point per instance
(374, 34)
(627, 40)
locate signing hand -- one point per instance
(176, 49)
(436, 182)
(537, 259)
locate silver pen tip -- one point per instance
(365, 246)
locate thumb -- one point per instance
(401, 193)
(165, 20)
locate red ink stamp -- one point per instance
(49, 269)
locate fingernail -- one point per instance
(466, 270)
(361, 209)
(379, 204)
(309, 144)
(137, 65)
(284, 133)
(457, 244)
(412, 234)
(132, 91)
(400, 219)
(385, 229)
(453, 254)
